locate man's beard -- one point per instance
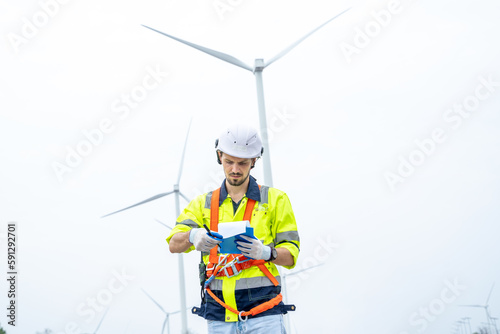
(236, 183)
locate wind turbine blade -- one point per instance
(183, 153)
(163, 224)
(140, 203)
(100, 322)
(184, 196)
(154, 301)
(299, 271)
(216, 54)
(473, 306)
(164, 324)
(489, 295)
(288, 49)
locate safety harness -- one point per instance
(230, 265)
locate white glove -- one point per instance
(253, 248)
(202, 241)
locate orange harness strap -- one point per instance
(214, 221)
(256, 310)
(242, 264)
(213, 259)
(266, 272)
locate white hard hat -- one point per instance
(240, 141)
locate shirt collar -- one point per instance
(253, 190)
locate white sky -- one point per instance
(340, 123)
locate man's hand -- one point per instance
(202, 241)
(253, 248)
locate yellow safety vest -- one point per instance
(274, 224)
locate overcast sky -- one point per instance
(383, 131)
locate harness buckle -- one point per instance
(231, 265)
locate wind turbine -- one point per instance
(100, 322)
(463, 326)
(259, 66)
(458, 328)
(467, 325)
(494, 321)
(167, 314)
(485, 306)
(177, 193)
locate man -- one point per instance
(242, 291)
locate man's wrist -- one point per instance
(273, 254)
(266, 253)
(192, 234)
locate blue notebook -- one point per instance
(229, 231)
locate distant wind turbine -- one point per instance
(166, 322)
(467, 326)
(177, 192)
(486, 306)
(463, 326)
(100, 322)
(458, 328)
(494, 321)
(259, 66)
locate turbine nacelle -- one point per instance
(259, 65)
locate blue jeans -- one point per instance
(270, 324)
